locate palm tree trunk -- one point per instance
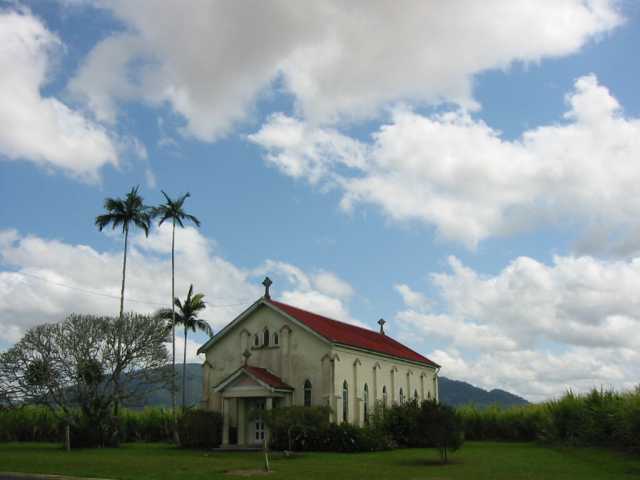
(124, 270)
(184, 371)
(116, 402)
(173, 334)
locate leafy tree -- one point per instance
(124, 212)
(442, 427)
(81, 367)
(174, 210)
(187, 316)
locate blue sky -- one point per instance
(465, 172)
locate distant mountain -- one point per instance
(455, 392)
(452, 392)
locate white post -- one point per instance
(225, 422)
(242, 424)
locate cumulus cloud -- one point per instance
(320, 292)
(42, 280)
(340, 61)
(535, 328)
(456, 173)
(42, 129)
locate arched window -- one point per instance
(276, 340)
(415, 395)
(256, 340)
(365, 398)
(307, 393)
(266, 337)
(345, 402)
(384, 396)
(401, 397)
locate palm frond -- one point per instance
(192, 219)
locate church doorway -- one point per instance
(257, 428)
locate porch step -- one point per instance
(236, 448)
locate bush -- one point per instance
(29, 424)
(517, 424)
(148, 425)
(601, 418)
(401, 423)
(442, 427)
(200, 429)
(309, 429)
(35, 423)
(420, 425)
(297, 428)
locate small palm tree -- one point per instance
(124, 212)
(187, 316)
(173, 210)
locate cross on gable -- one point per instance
(267, 283)
(381, 322)
(246, 354)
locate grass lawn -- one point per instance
(475, 461)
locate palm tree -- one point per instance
(187, 316)
(173, 210)
(127, 211)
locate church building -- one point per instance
(274, 355)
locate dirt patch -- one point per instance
(248, 472)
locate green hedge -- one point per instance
(602, 418)
(29, 424)
(309, 429)
(200, 429)
(32, 423)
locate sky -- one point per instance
(466, 170)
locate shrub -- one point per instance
(148, 425)
(200, 429)
(29, 423)
(309, 429)
(603, 418)
(442, 428)
(401, 423)
(518, 424)
(36, 423)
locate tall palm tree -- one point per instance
(187, 316)
(173, 210)
(124, 212)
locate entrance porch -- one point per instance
(245, 394)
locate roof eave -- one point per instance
(394, 357)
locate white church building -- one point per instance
(274, 355)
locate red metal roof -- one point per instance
(347, 334)
(267, 377)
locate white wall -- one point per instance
(360, 368)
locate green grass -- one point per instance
(476, 461)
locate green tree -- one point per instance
(187, 315)
(442, 426)
(174, 210)
(125, 212)
(83, 366)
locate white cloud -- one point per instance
(330, 284)
(37, 128)
(37, 274)
(457, 174)
(413, 299)
(212, 60)
(323, 292)
(533, 328)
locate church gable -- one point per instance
(262, 325)
(248, 379)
